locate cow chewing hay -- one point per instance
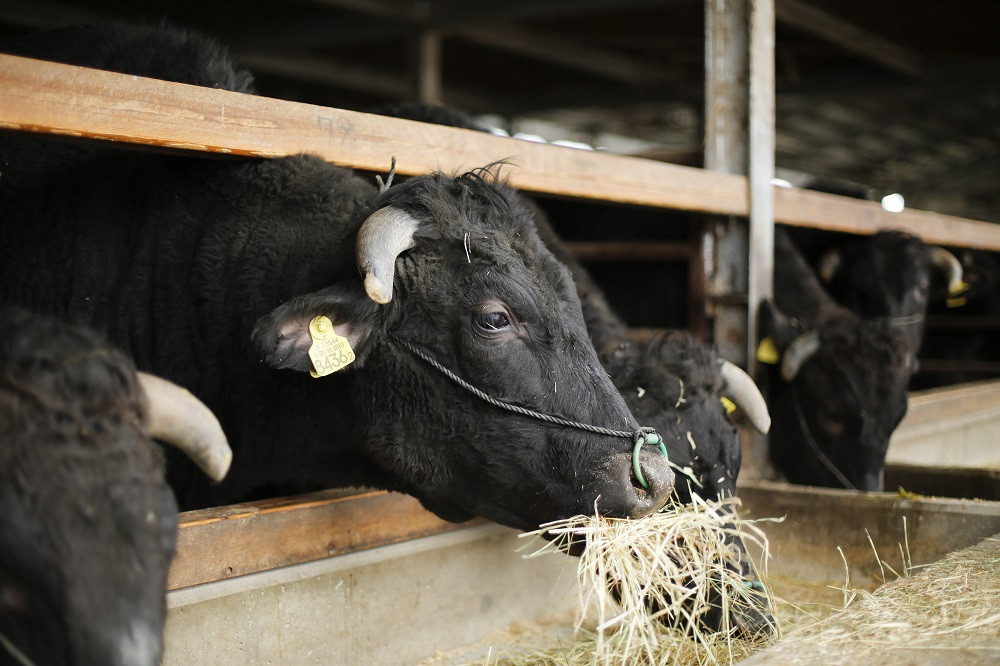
(646, 585)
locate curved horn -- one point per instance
(179, 418)
(387, 232)
(744, 392)
(800, 351)
(828, 265)
(951, 267)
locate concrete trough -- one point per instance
(413, 600)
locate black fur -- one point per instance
(850, 395)
(87, 522)
(887, 276)
(179, 259)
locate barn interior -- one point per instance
(891, 103)
(869, 102)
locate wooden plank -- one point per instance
(818, 210)
(219, 543)
(61, 99)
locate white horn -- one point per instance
(800, 351)
(742, 390)
(180, 419)
(951, 266)
(387, 232)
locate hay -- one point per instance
(950, 611)
(647, 586)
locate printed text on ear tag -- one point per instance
(329, 352)
(767, 352)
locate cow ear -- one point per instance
(774, 325)
(283, 336)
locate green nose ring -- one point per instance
(651, 439)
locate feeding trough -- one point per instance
(469, 586)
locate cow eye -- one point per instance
(492, 322)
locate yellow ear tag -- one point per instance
(955, 301)
(728, 404)
(960, 288)
(767, 352)
(329, 352)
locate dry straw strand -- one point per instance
(646, 585)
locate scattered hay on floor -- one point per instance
(647, 586)
(951, 609)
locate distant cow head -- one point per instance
(676, 384)
(87, 522)
(455, 268)
(838, 390)
(889, 276)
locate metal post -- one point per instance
(762, 137)
(726, 109)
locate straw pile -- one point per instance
(647, 587)
(948, 613)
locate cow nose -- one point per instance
(628, 498)
(659, 478)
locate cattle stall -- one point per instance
(370, 577)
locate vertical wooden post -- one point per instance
(739, 138)
(760, 284)
(429, 86)
(726, 109)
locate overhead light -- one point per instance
(894, 203)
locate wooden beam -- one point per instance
(60, 99)
(817, 210)
(219, 543)
(849, 37)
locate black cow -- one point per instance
(838, 383)
(674, 383)
(972, 341)
(889, 276)
(87, 522)
(182, 260)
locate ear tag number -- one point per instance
(767, 352)
(329, 352)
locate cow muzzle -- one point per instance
(625, 496)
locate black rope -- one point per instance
(817, 451)
(549, 418)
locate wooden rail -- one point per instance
(219, 543)
(60, 99)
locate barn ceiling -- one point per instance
(899, 96)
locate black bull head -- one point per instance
(454, 271)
